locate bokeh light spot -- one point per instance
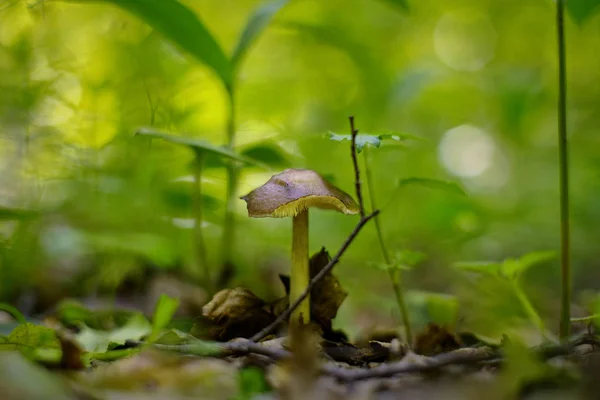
(465, 40)
(466, 151)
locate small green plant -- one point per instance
(393, 264)
(182, 26)
(202, 149)
(511, 270)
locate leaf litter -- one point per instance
(124, 355)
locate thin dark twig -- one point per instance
(359, 197)
(283, 316)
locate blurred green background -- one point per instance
(89, 210)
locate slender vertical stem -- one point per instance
(232, 182)
(198, 236)
(565, 310)
(354, 132)
(300, 268)
(395, 275)
(532, 314)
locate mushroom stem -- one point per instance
(300, 271)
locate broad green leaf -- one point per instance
(582, 10)
(380, 265)
(163, 313)
(175, 337)
(522, 366)
(14, 312)
(442, 308)
(93, 340)
(402, 5)
(72, 313)
(254, 27)
(362, 139)
(407, 259)
(427, 307)
(180, 25)
(27, 337)
(512, 268)
(479, 267)
(198, 145)
(252, 383)
(268, 154)
(446, 186)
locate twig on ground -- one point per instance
(456, 357)
(464, 356)
(283, 316)
(219, 349)
(357, 182)
(549, 351)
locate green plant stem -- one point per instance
(532, 314)
(300, 274)
(565, 309)
(232, 182)
(14, 312)
(395, 275)
(199, 244)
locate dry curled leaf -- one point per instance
(231, 304)
(434, 340)
(327, 296)
(236, 313)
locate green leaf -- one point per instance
(512, 268)
(427, 307)
(254, 27)
(175, 337)
(408, 259)
(402, 5)
(14, 312)
(198, 145)
(26, 337)
(163, 313)
(442, 309)
(479, 267)
(362, 139)
(268, 154)
(252, 382)
(581, 10)
(446, 186)
(93, 340)
(522, 366)
(180, 25)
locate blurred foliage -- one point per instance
(88, 210)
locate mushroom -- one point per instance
(290, 194)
